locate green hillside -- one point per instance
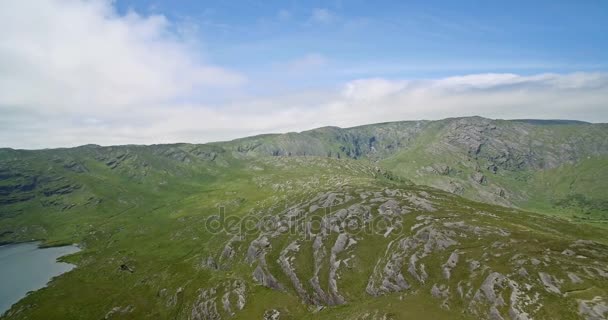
(464, 218)
(493, 161)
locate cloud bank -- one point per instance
(77, 72)
(74, 55)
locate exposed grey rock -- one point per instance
(478, 177)
(172, 301)
(594, 309)
(391, 208)
(518, 300)
(387, 276)
(257, 249)
(569, 253)
(285, 263)
(209, 263)
(205, 307)
(450, 264)
(582, 243)
(265, 278)
(593, 271)
(229, 250)
(487, 289)
(574, 278)
(119, 311)
(334, 264)
(550, 283)
(489, 292)
(401, 267)
(474, 265)
(420, 202)
(417, 270)
(523, 272)
(239, 289)
(318, 256)
(439, 291)
(494, 314)
(272, 314)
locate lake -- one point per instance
(24, 267)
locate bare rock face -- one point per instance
(441, 292)
(257, 249)
(334, 264)
(209, 263)
(422, 244)
(574, 278)
(488, 291)
(227, 254)
(119, 311)
(172, 300)
(387, 276)
(206, 306)
(551, 283)
(319, 254)
(450, 264)
(272, 314)
(225, 299)
(594, 309)
(262, 276)
(257, 253)
(345, 238)
(285, 261)
(479, 177)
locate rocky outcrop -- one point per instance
(272, 314)
(219, 302)
(119, 312)
(594, 309)
(450, 264)
(551, 283)
(443, 242)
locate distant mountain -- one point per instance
(550, 122)
(554, 166)
(414, 219)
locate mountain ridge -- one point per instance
(465, 154)
(540, 121)
(469, 218)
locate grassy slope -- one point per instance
(151, 219)
(146, 207)
(576, 190)
(161, 236)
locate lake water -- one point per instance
(24, 267)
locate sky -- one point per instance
(77, 72)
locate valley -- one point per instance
(459, 218)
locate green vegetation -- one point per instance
(393, 204)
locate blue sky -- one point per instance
(398, 38)
(115, 72)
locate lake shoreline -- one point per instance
(26, 267)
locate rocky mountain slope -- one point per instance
(372, 222)
(510, 163)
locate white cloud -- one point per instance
(580, 96)
(76, 72)
(82, 56)
(494, 80)
(371, 89)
